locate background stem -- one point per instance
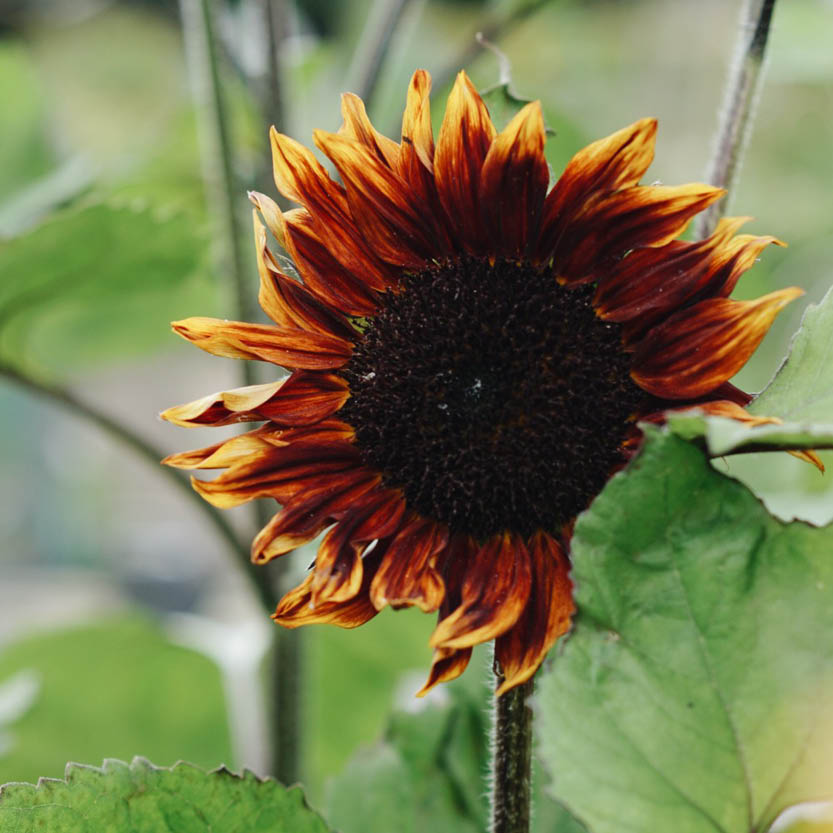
(511, 760)
(259, 579)
(743, 89)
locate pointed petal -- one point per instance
(288, 348)
(607, 228)
(272, 216)
(417, 133)
(447, 665)
(651, 282)
(280, 472)
(465, 137)
(288, 303)
(301, 178)
(296, 607)
(379, 203)
(357, 126)
(546, 616)
(618, 161)
(808, 457)
(494, 593)
(513, 183)
(697, 349)
(310, 512)
(338, 568)
(220, 455)
(408, 574)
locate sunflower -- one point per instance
(469, 352)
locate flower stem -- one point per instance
(511, 759)
(259, 579)
(740, 99)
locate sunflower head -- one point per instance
(469, 351)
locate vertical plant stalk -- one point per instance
(511, 759)
(200, 42)
(743, 89)
(374, 46)
(218, 167)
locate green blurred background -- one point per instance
(125, 627)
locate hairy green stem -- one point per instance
(740, 99)
(259, 579)
(374, 46)
(511, 759)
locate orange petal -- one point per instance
(287, 302)
(447, 664)
(308, 513)
(290, 348)
(546, 616)
(338, 565)
(465, 137)
(408, 574)
(301, 178)
(296, 607)
(697, 349)
(417, 133)
(653, 281)
(618, 161)
(605, 229)
(220, 455)
(495, 591)
(379, 203)
(513, 183)
(280, 472)
(299, 399)
(357, 126)
(808, 457)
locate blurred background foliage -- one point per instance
(107, 233)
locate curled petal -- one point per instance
(220, 455)
(618, 161)
(493, 595)
(299, 399)
(698, 348)
(408, 574)
(308, 513)
(546, 616)
(272, 216)
(290, 348)
(513, 183)
(650, 215)
(446, 665)
(338, 566)
(357, 126)
(296, 608)
(379, 203)
(654, 281)
(465, 137)
(290, 304)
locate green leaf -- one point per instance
(693, 693)
(118, 798)
(99, 281)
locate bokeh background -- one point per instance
(126, 626)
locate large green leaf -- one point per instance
(99, 281)
(118, 798)
(694, 692)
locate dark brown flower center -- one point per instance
(493, 397)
